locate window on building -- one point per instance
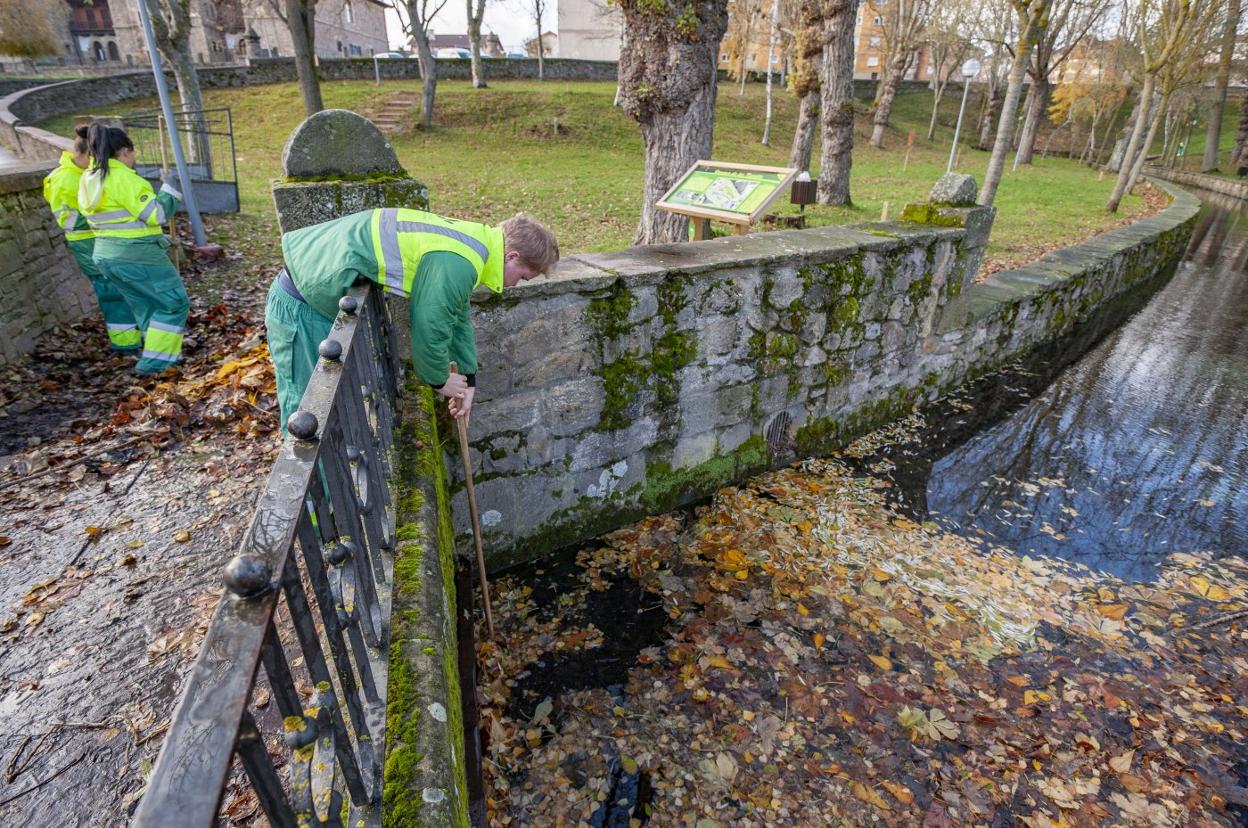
(339, 46)
(723, 57)
(97, 49)
(877, 21)
(357, 51)
(113, 53)
(873, 60)
(874, 42)
(348, 14)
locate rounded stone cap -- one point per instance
(338, 143)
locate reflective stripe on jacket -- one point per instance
(122, 205)
(60, 190)
(402, 236)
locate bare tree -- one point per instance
(538, 10)
(171, 27)
(1032, 18)
(742, 18)
(1070, 22)
(949, 44)
(997, 25)
(667, 84)
(300, 19)
(416, 16)
(476, 14)
(807, 60)
(837, 100)
(1213, 134)
(901, 35)
(25, 30)
(1162, 28)
(771, 56)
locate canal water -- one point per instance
(1138, 450)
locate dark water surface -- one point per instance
(1138, 450)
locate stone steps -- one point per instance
(395, 112)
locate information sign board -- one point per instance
(735, 193)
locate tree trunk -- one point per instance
(1240, 152)
(1005, 124)
(428, 74)
(1037, 103)
(837, 103)
(199, 149)
(804, 135)
(884, 104)
(771, 51)
(301, 20)
(1213, 135)
(1133, 144)
(476, 13)
(988, 120)
(667, 85)
(541, 56)
(1142, 155)
(938, 92)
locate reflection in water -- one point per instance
(1138, 450)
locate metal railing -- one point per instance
(328, 498)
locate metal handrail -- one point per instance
(328, 496)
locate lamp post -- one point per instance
(969, 70)
(162, 90)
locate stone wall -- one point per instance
(642, 380)
(1234, 187)
(40, 284)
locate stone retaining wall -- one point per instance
(1235, 188)
(40, 284)
(642, 380)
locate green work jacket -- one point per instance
(433, 262)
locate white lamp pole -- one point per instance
(969, 70)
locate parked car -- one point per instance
(391, 55)
(451, 52)
(515, 55)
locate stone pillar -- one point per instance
(337, 163)
(951, 203)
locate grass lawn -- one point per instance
(561, 152)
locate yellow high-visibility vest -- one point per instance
(123, 204)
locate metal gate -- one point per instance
(207, 137)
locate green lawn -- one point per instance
(561, 152)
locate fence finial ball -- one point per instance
(330, 349)
(348, 305)
(247, 576)
(302, 424)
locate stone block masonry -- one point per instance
(638, 381)
(40, 284)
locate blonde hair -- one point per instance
(534, 241)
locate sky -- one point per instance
(511, 20)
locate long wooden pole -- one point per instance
(472, 513)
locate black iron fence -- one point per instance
(312, 581)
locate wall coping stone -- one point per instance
(26, 176)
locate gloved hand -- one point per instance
(169, 181)
(462, 406)
(455, 386)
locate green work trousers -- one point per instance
(294, 331)
(123, 331)
(155, 294)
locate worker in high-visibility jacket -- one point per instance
(433, 262)
(126, 215)
(60, 190)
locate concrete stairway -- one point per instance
(396, 112)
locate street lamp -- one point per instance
(969, 70)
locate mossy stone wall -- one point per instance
(641, 380)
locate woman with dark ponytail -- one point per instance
(125, 216)
(60, 189)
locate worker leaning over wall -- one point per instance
(126, 215)
(60, 190)
(433, 262)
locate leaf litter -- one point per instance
(827, 661)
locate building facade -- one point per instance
(869, 55)
(222, 31)
(589, 29)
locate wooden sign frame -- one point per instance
(741, 220)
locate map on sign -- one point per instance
(737, 193)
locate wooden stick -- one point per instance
(472, 513)
(1219, 620)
